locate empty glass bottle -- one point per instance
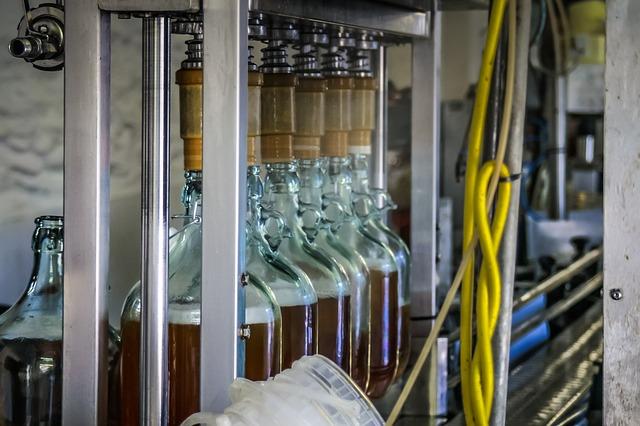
(31, 337)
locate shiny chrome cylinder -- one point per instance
(379, 147)
(156, 79)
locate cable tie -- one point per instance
(510, 178)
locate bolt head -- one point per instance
(43, 29)
(244, 279)
(616, 293)
(244, 332)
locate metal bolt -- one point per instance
(43, 29)
(616, 293)
(244, 332)
(244, 279)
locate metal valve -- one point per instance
(40, 39)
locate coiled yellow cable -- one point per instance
(477, 374)
(489, 286)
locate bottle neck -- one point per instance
(338, 180)
(255, 192)
(281, 190)
(192, 195)
(47, 275)
(360, 172)
(311, 182)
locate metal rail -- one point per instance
(501, 341)
(551, 313)
(223, 196)
(549, 284)
(561, 307)
(156, 92)
(86, 213)
(379, 147)
(363, 14)
(425, 176)
(559, 278)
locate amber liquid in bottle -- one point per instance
(184, 372)
(334, 329)
(359, 368)
(33, 389)
(260, 351)
(404, 333)
(298, 337)
(384, 330)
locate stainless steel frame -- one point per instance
(224, 120)
(156, 93)
(425, 174)
(378, 178)
(223, 195)
(621, 207)
(370, 15)
(86, 213)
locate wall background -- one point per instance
(31, 151)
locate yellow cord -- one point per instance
(473, 161)
(489, 287)
(490, 174)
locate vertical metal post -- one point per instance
(379, 148)
(502, 338)
(86, 213)
(558, 199)
(156, 79)
(224, 197)
(425, 188)
(621, 221)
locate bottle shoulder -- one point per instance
(21, 322)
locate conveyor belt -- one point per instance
(551, 384)
(549, 387)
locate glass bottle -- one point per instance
(263, 355)
(311, 188)
(290, 286)
(329, 280)
(383, 279)
(31, 337)
(185, 262)
(383, 274)
(363, 121)
(371, 218)
(262, 316)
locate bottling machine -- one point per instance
(547, 318)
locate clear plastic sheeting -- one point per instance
(314, 392)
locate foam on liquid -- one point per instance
(36, 326)
(258, 315)
(288, 295)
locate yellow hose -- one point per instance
(473, 161)
(489, 287)
(483, 196)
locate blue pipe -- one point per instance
(533, 338)
(529, 342)
(528, 310)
